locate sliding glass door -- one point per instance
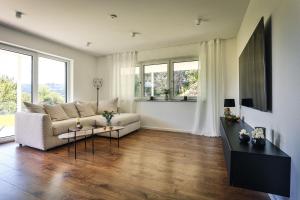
(15, 87)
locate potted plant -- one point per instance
(108, 116)
(258, 137)
(166, 93)
(244, 136)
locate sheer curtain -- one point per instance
(210, 89)
(122, 79)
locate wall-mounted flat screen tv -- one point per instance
(253, 72)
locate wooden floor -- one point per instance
(148, 165)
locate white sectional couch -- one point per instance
(39, 131)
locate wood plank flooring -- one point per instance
(148, 165)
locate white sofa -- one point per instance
(38, 131)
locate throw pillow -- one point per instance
(56, 112)
(85, 109)
(108, 105)
(34, 108)
(70, 109)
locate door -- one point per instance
(15, 87)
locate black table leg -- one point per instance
(93, 141)
(118, 138)
(110, 137)
(75, 143)
(68, 145)
(68, 141)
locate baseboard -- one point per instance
(166, 129)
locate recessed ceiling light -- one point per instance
(133, 34)
(198, 21)
(19, 14)
(113, 16)
(88, 44)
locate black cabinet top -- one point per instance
(232, 130)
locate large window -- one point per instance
(178, 76)
(185, 76)
(138, 82)
(52, 83)
(155, 79)
(28, 76)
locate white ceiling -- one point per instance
(162, 23)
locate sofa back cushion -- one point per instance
(93, 104)
(34, 108)
(85, 109)
(108, 105)
(70, 109)
(56, 112)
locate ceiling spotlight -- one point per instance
(198, 21)
(88, 44)
(113, 16)
(19, 14)
(133, 34)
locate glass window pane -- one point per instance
(185, 78)
(155, 79)
(15, 87)
(51, 81)
(137, 84)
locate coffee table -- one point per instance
(109, 129)
(74, 133)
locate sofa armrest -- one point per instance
(32, 128)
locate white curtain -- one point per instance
(122, 79)
(210, 89)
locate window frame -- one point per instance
(35, 67)
(178, 60)
(170, 78)
(67, 74)
(32, 54)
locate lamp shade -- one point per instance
(97, 82)
(229, 103)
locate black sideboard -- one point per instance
(264, 169)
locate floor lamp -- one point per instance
(97, 83)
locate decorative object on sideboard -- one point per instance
(184, 98)
(258, 137)
(151, 98)
(244, 136)
(166, 93)
(78, 125)
(97, 83)
(230, 103)
(108, 116)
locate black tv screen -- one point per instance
(252, 71)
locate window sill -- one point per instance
(163, 100)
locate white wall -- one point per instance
(173, 116)
(284, 120)
(84, 65)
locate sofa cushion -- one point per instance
(70, 109)
(108, 105)
(93, 104)
(34, 108)
(121, 119)
(85, 110)
(56, 112)
(60, 127)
